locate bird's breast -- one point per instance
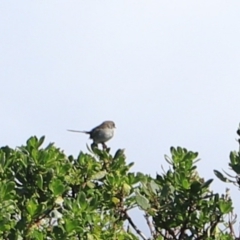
(103, 135)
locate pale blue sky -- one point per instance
(167, 73)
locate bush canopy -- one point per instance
(45, 194)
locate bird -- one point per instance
(100, 134)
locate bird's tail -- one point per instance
(78, 131)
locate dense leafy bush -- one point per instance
(46, 195)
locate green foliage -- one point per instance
(180, 203)
(234, 166)
(46, 195)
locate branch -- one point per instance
(149, 224)
(231, 229)
(215, 224)
(36, 221)
(134, 226)
(231, 220)
(185, 223)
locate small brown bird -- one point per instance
(101, 133)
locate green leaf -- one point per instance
(228, 175)
(154, 187)
(82, 199)
(70, 225)
(32, 206)
(6, 190)
(142, 201)
(34, 154)
(40, 181)
(40, 141)
(10, 187)
(90, 184)
(236, 168)
(90, 237)
(4, 227)
(32, 142)
(99, 175)
(220, 176)
(115, 200)
(233, 157)
(5, 160)
(195, 187)
(119, 153)
(126, 189)
(173, 151)
(57, 187)
(185, 184)
(207, 183)
(216, 197)
(165, 191)
(130, 164)
(49, 146)
(168, 159)
(225, 207)
(36, 234)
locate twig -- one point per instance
(38, 220)
(231, 229)
(185, 223)
(214, 224)
(134, 226)
(230, 224)
(149, 224)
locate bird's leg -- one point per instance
(104, 145)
